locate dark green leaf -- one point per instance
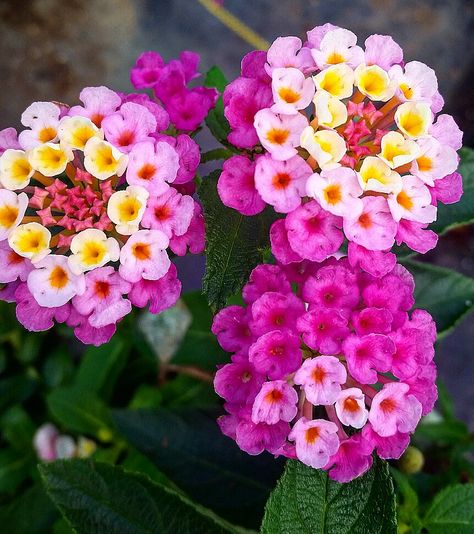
(446, 432)
(215, 155)
(15, 467)
(30, 513)
(16, 389)
(146, 396)
(100, 498)
(187, 391)
(79, 410)
(462, 212)
(100, 367)
(306, 500)
(190, 449)
(452, 511)
(407, 508)
(18, 428)
(58, 368)
(446, 294)
(199, 346)
(235, 244)
(215, 120)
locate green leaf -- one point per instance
(452, 511)
(215, 120)
(215, 155)
(16, 389)
(190, 449)
(79, 410)
(235, 244)
(15, 467)
(18, 428)
(100, 367)
(462, 212)
(58, 368)
(30, 513)
(306, 500)
(199, 346)
(446, 294)
(444, 432)
(407, 509)
(99, 498)
(186, 391)
(215, 78)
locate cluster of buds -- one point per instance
(91, 198)
(50, 445)
(344, 140)
(329, 373)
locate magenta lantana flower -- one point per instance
(331, 376)
(364, 120)
(89, 203)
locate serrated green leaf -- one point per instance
(306, 500)
(452, 511)
(100, 367)
(189, 448)
(79, 410)
(235, 244)
(462, 212)
(446, 294)
(96, 498)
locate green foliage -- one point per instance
(215, 120)
(80, 410)
(98, 498)
(446, 294)
(235, 244)
(232, 483)
(462, 212)
(452, 511)
(306, 500)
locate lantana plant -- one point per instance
(94, 196)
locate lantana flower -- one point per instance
(89, 204)
(330, 364)
(367, 124)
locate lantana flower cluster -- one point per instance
(329, 365)
(92, 198)
(347, 141)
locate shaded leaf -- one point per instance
(15, 467)
(306, 500)
(446, 294)
(462, 212)
(190, 449)
(452, 511)
(215, 120)
(79, 410)
(99, 498)
(235, 244)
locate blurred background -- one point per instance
(50, 49)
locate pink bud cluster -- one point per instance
(344, 140)
(329, 373)
(187, 107)
(92, 198)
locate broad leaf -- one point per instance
(462, 212)
(79, 410)
(452, 511)
(30, 513)
(446, 294)
(306, 500)
(100, 367)
(15, 467)
(190, 449)
(199, 346)
(235, 244)
(99, 498)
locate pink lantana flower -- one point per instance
(279, 134)
(282, 183)
(321, 379)
(285, 396)
(276, 401)
(237, 188)
(291, 90)
(394, 410)
(316, 441)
